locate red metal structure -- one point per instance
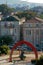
(20, 43)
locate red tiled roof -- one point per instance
(33, 20)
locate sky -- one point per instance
(34, 1)
(17, 1)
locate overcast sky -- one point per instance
(17, 1)
(34, 1)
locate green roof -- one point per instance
(10, 18)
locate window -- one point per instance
(41, 32)
(37, 25)
(30, 25)
(42, 24)
(11, 31)
(15, 30)
(37, 32)
(11, 25)
(28, 32)
(5, 25)
(37, 45)
(4, 31)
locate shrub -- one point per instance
(33, 61)
(41, 58)
(40, 61)
(4, 49)
(6, 40)
(0, 50)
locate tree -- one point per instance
(5, 40)
(27, 14)
(5, 9)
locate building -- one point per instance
(33, 32)
(29, 30)
(10, 28)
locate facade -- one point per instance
(33, 32)
(10, 28)
(30, 30)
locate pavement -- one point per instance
(15, 56)
(4, 60)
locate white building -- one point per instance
(33, 32)
(11, 28)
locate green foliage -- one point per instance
(40, 61)
(6, 40)
(41, 57)
(33, 61)
(27, 15)
(5, 9)
(4, 49)
(41, 16)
